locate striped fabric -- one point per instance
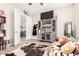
(58, 53)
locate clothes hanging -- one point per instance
(35, 29)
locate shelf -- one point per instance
(45, 41)
(46, 25)
(47, 29)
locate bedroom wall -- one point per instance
(64, 14)
(76, 19)
(35, 19)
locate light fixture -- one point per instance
(42, 4)
(26, 13)
(30, 3)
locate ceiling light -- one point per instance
(30, 3)
(42, 4)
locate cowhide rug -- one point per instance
(30, 50)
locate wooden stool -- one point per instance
(2, 46)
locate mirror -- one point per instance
(68, 29)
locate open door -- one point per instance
(16, 27)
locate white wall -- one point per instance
(35, 19)
(76, 19)
(64, 14)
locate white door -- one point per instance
(16, 27)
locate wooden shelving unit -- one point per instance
(2, 33)
(47, 29)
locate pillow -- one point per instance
(77, 47)
(63, 40)
(69, 47)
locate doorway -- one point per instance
(23, 28)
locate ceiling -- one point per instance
(37, 8)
